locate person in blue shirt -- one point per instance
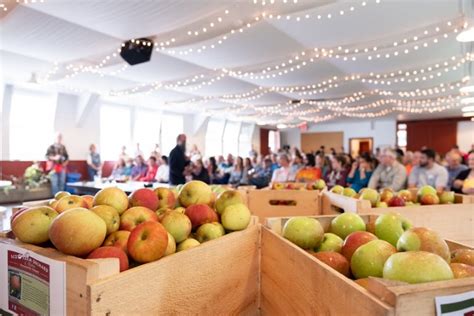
(360, 173)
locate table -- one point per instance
(92, 187)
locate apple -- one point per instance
(17, 213)
(278, 186)
(330, 242)
(350, 192)
(118, 239)
(381, 204)
(406, 195)
(195, 192)
(386, 195)
(420, 238)
(110, 252)
(354, 241)
(426, 189)
(346, 223)
(461, 270)
(147, 242)
(70, 201)
(32, 225)
(304, 232)
(369, 259)
(77, 231)
(110, 216)
(429, 199)
(337, 189)
(390, 227)
(446, 197)
(465, 256)
(135, 216)
(319, 184)
(200, 214)
(166, 198)
(209, 231)
(335, 260)
(171, 248)
(396, 201)
(187, 244)
(370, 195)
(177, 224)
(53, 203)
(236, 217)
(112, 197)
(227, 198)
(59, 195)
(416, 267)
(89, 199)
(180, 209)
(144, 197)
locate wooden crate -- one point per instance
(452, 221)
(306, 203)
(220, 277)
(308, 286)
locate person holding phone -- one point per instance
(360, 173)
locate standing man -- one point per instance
(429, 172)
(58, 158)
(389, 173)
(177, 161)
(94, 164)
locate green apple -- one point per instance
(390, 227)
(209, 231)
(171, 248)
(331, 242)
(346, 223)
(187, 244)
(338, 189)
(370, 195)
(235, 217)
(32, 225)
(350, 192)
(304, 232)
(319, 184)
(381, 204)
(177, 224)
(426, 189)
(446, 197)
(227, 198)
(424, 239)
(195, 192)
(417, 267)
(369, 259)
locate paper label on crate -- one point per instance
(455, 305)
(31, 284)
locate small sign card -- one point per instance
(455, 305)
(31, 284)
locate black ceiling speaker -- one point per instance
(137, 51)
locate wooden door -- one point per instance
(364, 147)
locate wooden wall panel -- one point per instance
(264, 141)
(439, 135)
(312, 141)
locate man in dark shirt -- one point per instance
(57, 159)
(177, 161)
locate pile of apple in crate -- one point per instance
(140, 228)
(390, 248)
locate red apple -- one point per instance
(147, 242)
(386, 195)
(89, 199)
(396, 201)
(118, 239)
(144, 197)
(110, 252)
(70, 201)
(354, 241)
(136, 215)
(200, 214)
(429, 199)
(166, 198)
(335, 260)
(406, 195)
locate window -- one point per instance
(274, 141)
(230, 141)
(214, 132)
(402, 136)
(245, 139)
(171, 127)
(114, 131)
(146, 131)
(31, 124)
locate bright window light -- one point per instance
(214, 132)
(171, 126)
(231, 138)
(146, 131)
(115, 128)
(245, 139)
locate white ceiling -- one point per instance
(51, 37)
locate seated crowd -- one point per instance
(388, 168)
